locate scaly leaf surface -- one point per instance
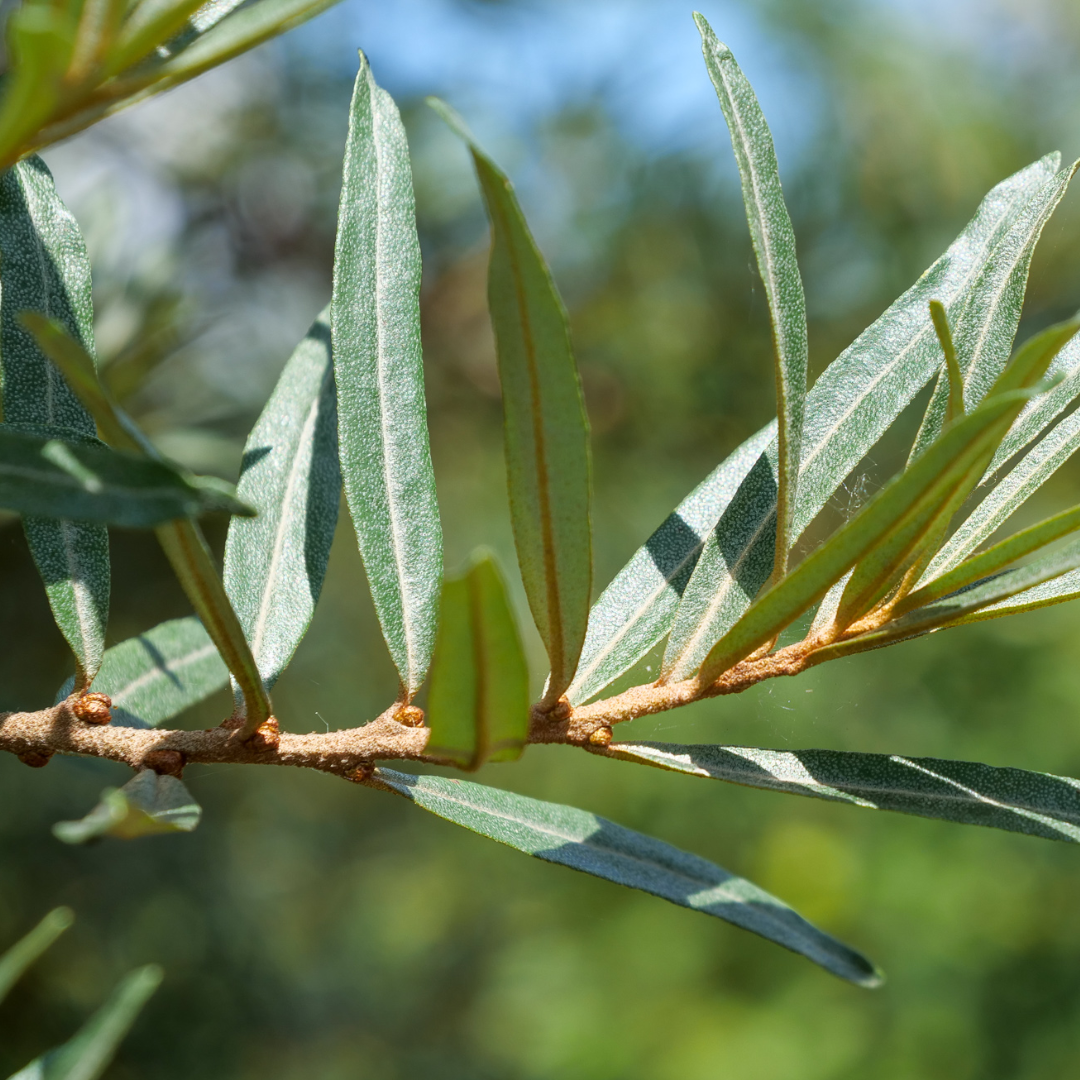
(385, 457)
(275, 563)
(44, 268)
(596, 846)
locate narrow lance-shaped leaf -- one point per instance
(967, 444)
(478, 704)
(81, 479)
(964, 444)
(596, 846)
(774, 246)
(635, 610)
(275, 562)
(953, 375)
(44, 268)
(99, 21)
(545, 430)
(182, 540)
(963, 607)
(24, 952)
(986, 326)
(155, 676)
(1001, 500)
(385, 457)
(1056, 590)
(994, 559)
(146, 805)
(960, 791)
(849, 408)
(150, 24)
(88, 1053)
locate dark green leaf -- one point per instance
(636, 609)
(44, 268)
(275, 562)
(81, 479)
(586, 842)
(478, 704)
(545, 429)
(774, 246)
(24, 952)
(961, 791)
(385, 457)
(88, 1053)
(157, 675)
(146, 805)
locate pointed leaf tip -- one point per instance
(382, 416)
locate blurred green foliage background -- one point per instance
(310, 929)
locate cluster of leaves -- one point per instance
(716, 581)
(71, 64)
(87, 1054)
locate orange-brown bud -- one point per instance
(267, 736)
(362, 772)
(601, 736)
(36, 759)
(165, 762)
(410, 716)
(93, 708)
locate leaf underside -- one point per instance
(593, 845)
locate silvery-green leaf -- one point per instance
(960, 791)
(44, 268)
(850, 407)
(635, 610)
(275, 562)
(26, 950)
(146, 805)
(965, 445)
(1040, 412)
(155, 676)
(1001, 500)
(965, 606)
(596, 846)
(993, 560)
(1057, 590)
(774, 246)
(80, 479)
(88, 1053)
(987, 324)
(478, 704)
(545, 430)
(385, 457)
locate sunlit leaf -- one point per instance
(88, 1053)
(962, 606)
(960, 791)
(635, 610)
(146, 805)
(596, 846)
(150, 24)
(544, 425)
(986, 324)
(44, 267)
(155, 676)
(850, 407)
(385, 457)
(993, 559)
(968, 442)
(774, 246)
(478, 704)
(26, 950)
(81, 479)
(275, 562)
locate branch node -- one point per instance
(267, 736)
(409, 716)
(165, 762)
(35, 759)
